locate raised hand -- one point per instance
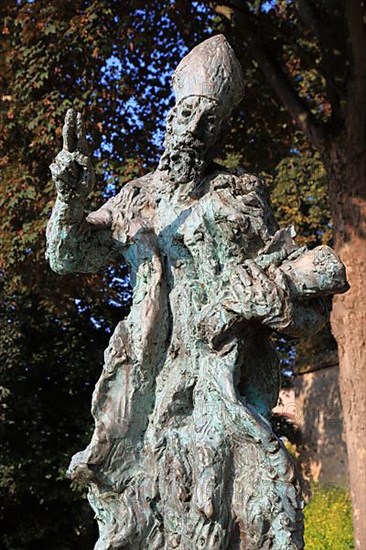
(72, 171)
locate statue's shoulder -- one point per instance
(134, 204)
(237, 182)
(135, 194)
(241, 192)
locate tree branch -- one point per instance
(357, 35)
(274, 74)
(330, 38)
(309, 18)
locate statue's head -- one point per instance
(208, 84)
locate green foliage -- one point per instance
(47, 372)
(299, 197)
(328, 520)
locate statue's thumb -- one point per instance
(101, 218)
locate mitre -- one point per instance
(211, 70)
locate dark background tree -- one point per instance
(47, 371)
(113, 61)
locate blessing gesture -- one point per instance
(72, 171)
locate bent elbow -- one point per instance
(61, 266)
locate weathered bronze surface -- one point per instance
(183, 455)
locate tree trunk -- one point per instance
(347, 174)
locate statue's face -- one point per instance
(193, 127)
(198, 118)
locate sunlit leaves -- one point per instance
(299, 197)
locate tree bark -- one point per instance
(347, 175)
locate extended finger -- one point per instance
(244, 276)
(69, 131)
(254, 269)
(81, 145)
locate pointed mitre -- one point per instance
(211, 70)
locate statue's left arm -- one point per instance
(282, 286)
(277, 297)
(292, 296)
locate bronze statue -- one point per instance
(183, 455)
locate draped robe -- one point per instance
(183, 451)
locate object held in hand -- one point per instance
(317, 272)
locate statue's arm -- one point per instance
(284, 287)
(290, 298)
(74, 244)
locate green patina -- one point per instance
(183, 455)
